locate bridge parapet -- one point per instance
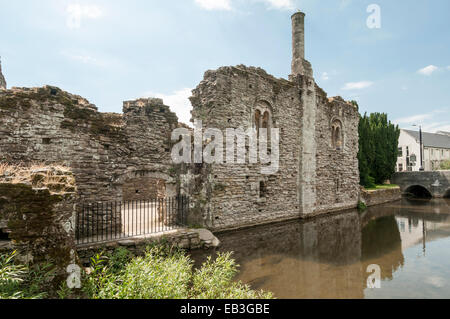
(437, 183)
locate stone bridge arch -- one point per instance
(437, 183)
(419, 191)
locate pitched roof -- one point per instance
(431, 140)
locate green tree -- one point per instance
(378, 149)
(445, 165)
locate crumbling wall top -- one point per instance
(2, 78)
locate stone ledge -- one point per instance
(380, 196)
(188, 239)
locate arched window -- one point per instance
(257, 121)
(263, 118)
(337, 138)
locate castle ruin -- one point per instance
(122, 157)
(2, 78)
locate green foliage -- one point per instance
(385, 186)
(378, 149)
(121, 257)
(361, 207)
(21, 282)
(163, 273)
(99, 276)
(215, 281)
(445, 165)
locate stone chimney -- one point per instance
(2, 78)
(298, 42)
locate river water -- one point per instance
(329, 257)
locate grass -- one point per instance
(162, 273)
(165, 273)
(55, 177)
(23, 282)
(385, 186)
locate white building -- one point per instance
(436, 149)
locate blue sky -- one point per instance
(114, 50)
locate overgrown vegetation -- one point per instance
(162, 273)
(22, 282)
(55, 177)
(445, 165)
(362, 207)
(378, 149)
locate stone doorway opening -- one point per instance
(144, 188)
(4, 238)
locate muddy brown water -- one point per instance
(329, 257)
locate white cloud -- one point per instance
(357, 85)
(431, 122)
(214, 4)
(77, 12)
(414, 119)
(448, 68)
(178, 102)
(428, 70)
(325, 76)
(280, 4)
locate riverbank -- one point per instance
(380, 196)
(187, 239)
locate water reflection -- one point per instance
(328, 257)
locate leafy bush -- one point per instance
(214, 281)
(162, 273)
(22, 282)
(361, 207)
(166, 274)
(445, 166)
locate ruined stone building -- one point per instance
(127, 156)
(2, 78)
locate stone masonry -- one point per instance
(318, 145)
(127, 156)
(37, 211)
(2, 78)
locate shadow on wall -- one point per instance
(4, 236)
(447, 194)
(418, 191)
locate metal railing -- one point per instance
(109, 221)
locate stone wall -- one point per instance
(127, 156)
(189, 239)
(315, 176)
(37, 210)
(104, 150)
(2, 78)
(227, 98)
(337, 179)
(380, 196)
